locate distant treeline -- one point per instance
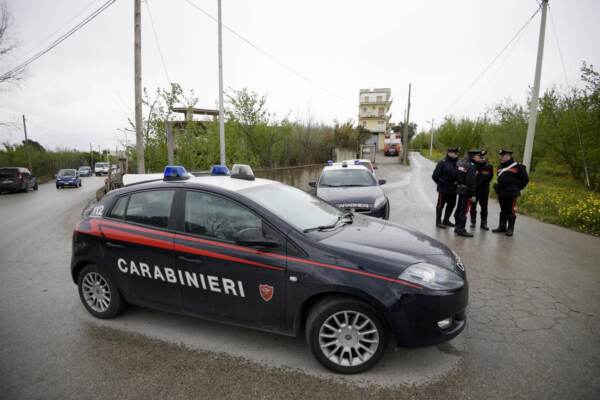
(45, 163)
(253, 135)
(568, 130)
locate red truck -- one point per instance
(392, 145)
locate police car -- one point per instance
(352, 187)
(265, 255)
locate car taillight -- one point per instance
(19, 176)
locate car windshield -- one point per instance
(67, 172)
(295, 206)
(346, 177)
(101, 165)
(8, 172)
(84, 168)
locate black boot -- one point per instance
(438, 218)
(484, 226)
(501, 224)
(511, 225)
(473, 221)
(447, 218)
(463, 232)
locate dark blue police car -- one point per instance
(265, 255)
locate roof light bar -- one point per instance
(242, 171)
(175, 173)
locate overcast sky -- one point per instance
(82, 91)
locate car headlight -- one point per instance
(379, 202)
(432, 277)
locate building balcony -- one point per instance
(362, 115)
(374, 102)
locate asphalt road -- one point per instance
(533, 324)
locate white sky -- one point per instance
(82, 91)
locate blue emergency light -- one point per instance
(219, 170)
(329, 163)
(356, 162)
(175, 173)
(242, 171)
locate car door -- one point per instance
(138, 240)
(226, 280)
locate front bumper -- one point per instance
(414, 319)
(66, 183)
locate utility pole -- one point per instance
(139, 134)
(405, 136)
(536, 91)
(431, 140)
(91, 157)
(27, 144)
(221, 113)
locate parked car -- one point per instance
(392, 145)
(85, 171)
(258, 253)
(353, 188)
(17, 179)
(101, 168)
(68, 177)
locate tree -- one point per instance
(7, 45)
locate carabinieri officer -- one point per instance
(466, 176)
(512, 178)
(485, 173)
(444, 176)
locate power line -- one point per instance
(270, 56)
(516, 35)
(498, 68)
(162, 59)
(58, 41)
(564, 68)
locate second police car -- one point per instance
(265, 255)
(353, 187)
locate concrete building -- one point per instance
(374, 113)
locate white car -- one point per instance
(101, 168)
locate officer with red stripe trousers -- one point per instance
(485, 173)
(444, 176)
(512, 178)
(466, 177)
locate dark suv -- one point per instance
(17, 179)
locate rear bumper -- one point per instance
(11, 187)
(415, 319)
(63, 183)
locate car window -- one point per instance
(8, 172)
(347, 177)
(295, 206)
(217, 217)
(150, 208)
(118, 210)
(67, 172)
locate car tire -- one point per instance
(35, 187)
(359, 351)
(98, 293)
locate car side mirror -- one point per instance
(253, 237)
(382, 181)
(312, 184)
(374, 166)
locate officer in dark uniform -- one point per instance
(485, 173)
(466, 177)
(512, 178)
(444, 176)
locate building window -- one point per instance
(365, 109)
(379, 99)
(366, 99)
(381, 111)
(364, 124)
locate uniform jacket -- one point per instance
(485, 174)
(511, 181)
(466, 176)
(444, 175)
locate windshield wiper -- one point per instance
(352, 185)
(331, 226)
